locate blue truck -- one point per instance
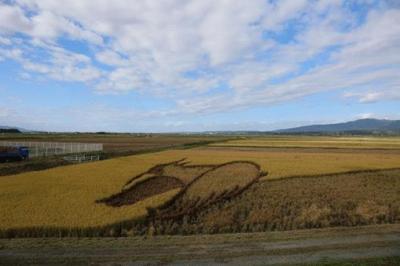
(12, 154)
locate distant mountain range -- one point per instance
(358, 126)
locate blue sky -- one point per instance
(166, 66)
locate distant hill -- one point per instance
(7, 129)
(361, 126)
(366, 126)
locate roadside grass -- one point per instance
(203, 239)
(216, 248)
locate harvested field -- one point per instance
(118, 143)
(300, 203)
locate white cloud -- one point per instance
(111, 58)
(5, 41)
(282, 11)
(12, 19)
(60, 64)
(187, 51)
(48, 26)
(43, 25)
(365, 116)
(12, 53)
(122, 80)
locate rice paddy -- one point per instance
(298, 162)
(67, 196)
(223, 178)
(306, 202)
(217, 184)
(142, 190)
(315, 142)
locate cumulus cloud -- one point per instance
(58, 63)
(200, 53)
(13, 19)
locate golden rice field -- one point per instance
(283, 163)
(65, 196)
(217, 184)
(316, 142)
(349, 199)
(225, 177)
(185, 174)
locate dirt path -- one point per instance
(239, 249)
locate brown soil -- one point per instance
(147, 188)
